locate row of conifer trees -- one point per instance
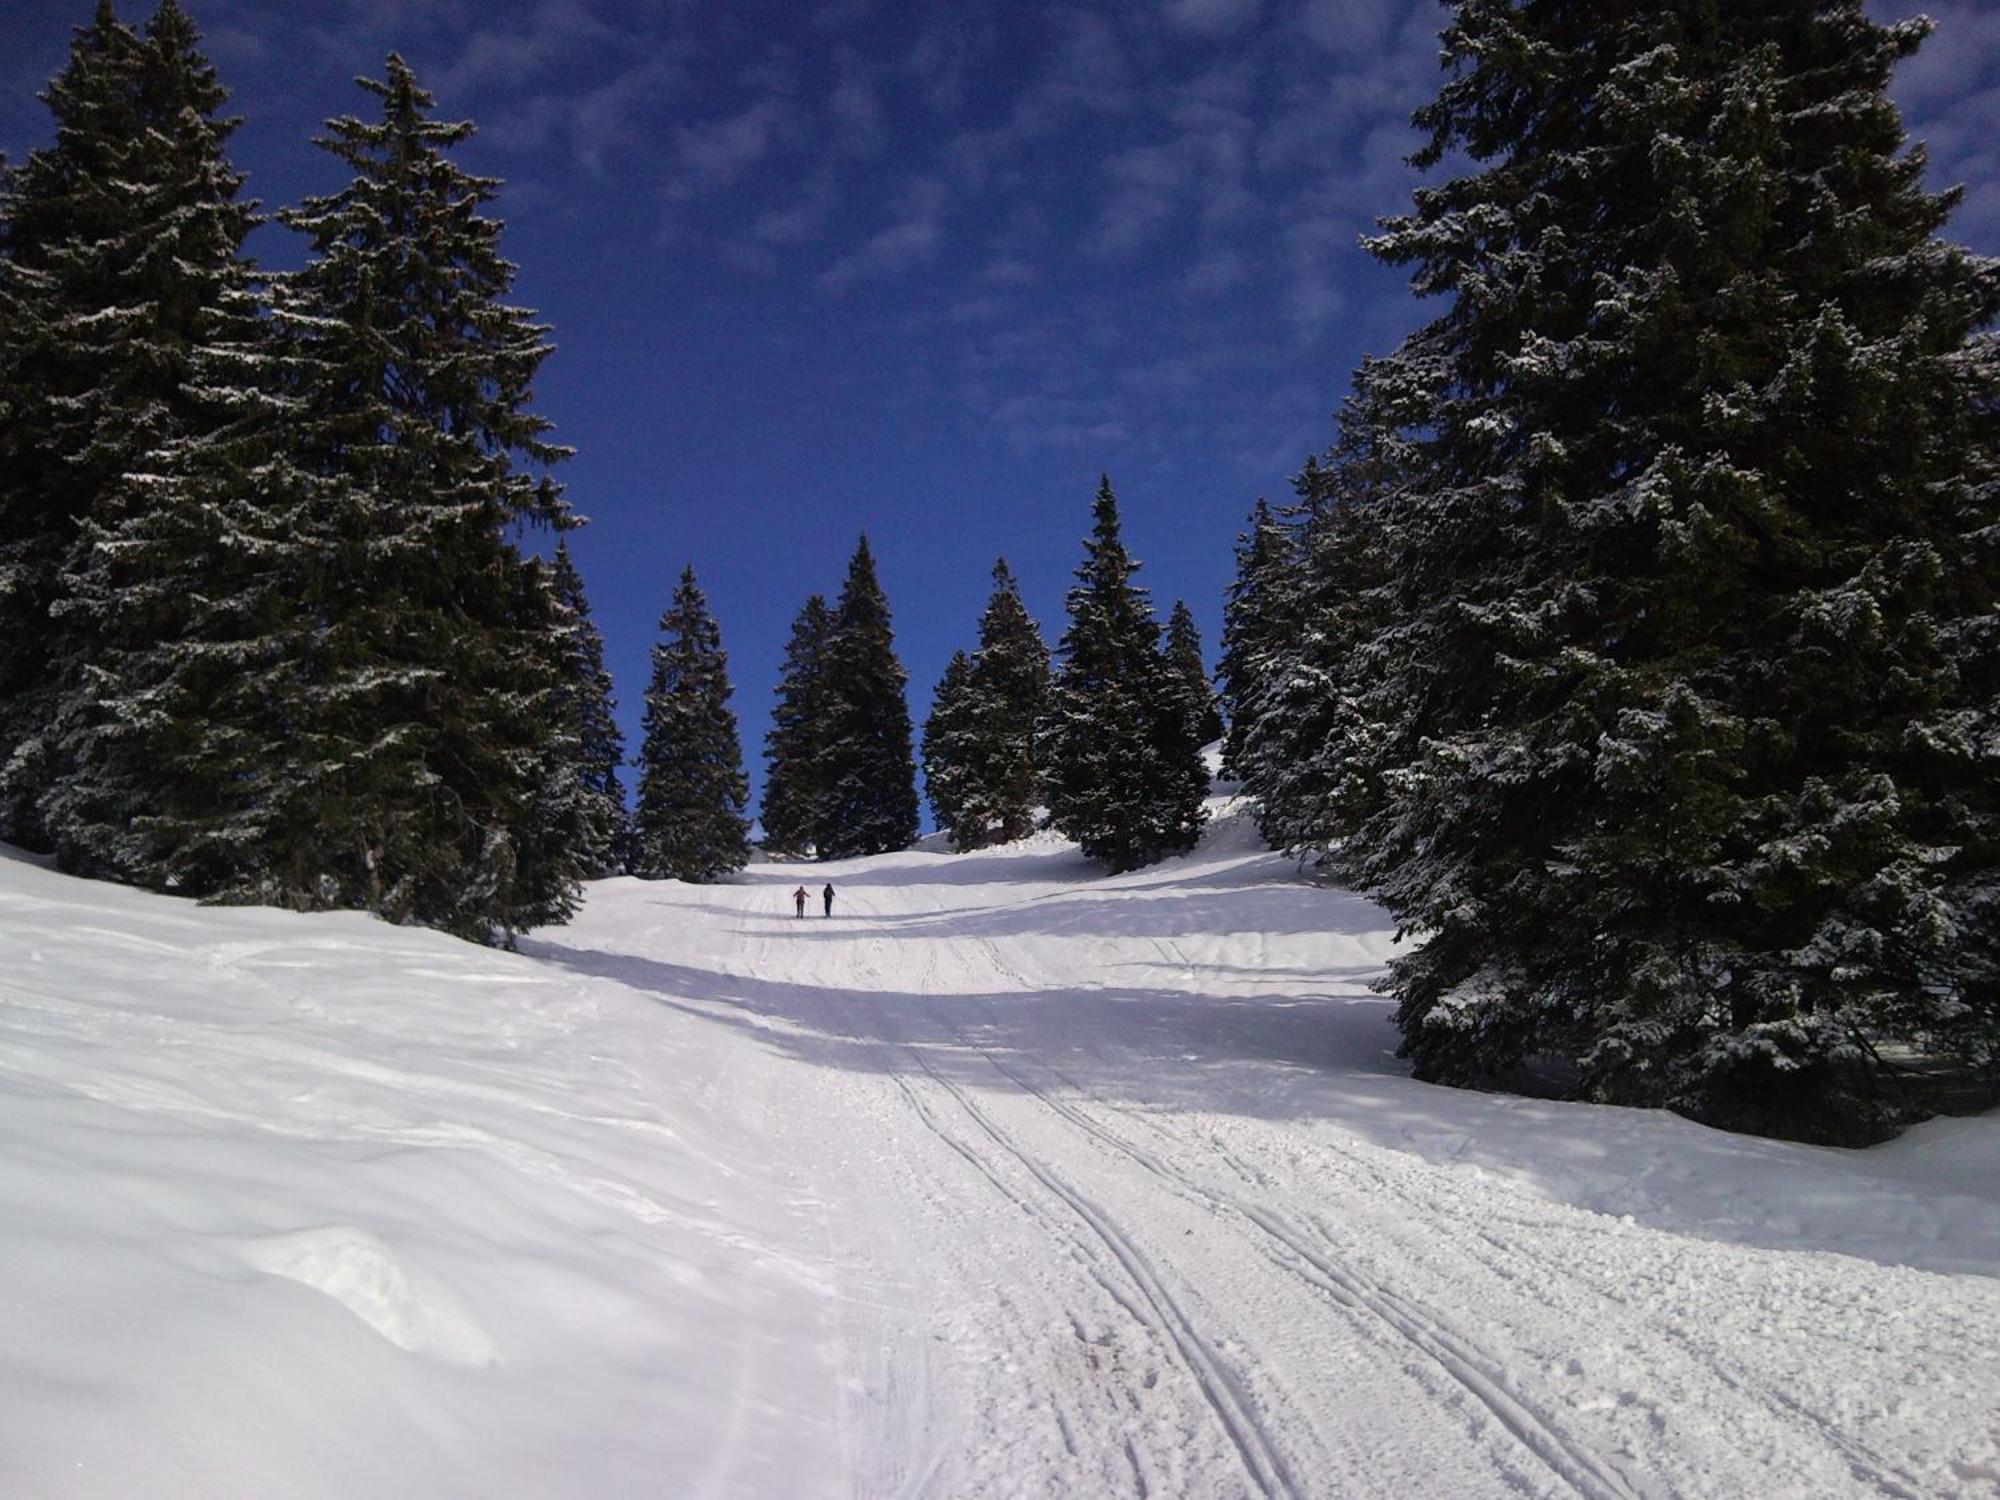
(1106, 740)
(270, 629)
(267, 631)
(1637, 643)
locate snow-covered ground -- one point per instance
(1004, 1180)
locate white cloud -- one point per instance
(1950, 97)
(717, 152)
(1145, 182)
(910, 241)
(508, 59)
(1215, 273)
(1354, 28)
(1010, 271)
(1312, 297)
(1203, 164)
(1209, 18)
(606, 118)
(943, 56)
(797, 219)
(856, 108)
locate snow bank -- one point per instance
(299, 1206)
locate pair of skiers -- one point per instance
(799, 899)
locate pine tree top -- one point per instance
(404, 261)
(1110, 616)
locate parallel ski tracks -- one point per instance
(1262, 1460)
(1477, 1373)
(1145, 1297)
(1309, 1251)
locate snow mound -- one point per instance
(363, 1275)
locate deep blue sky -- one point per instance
(917, 269)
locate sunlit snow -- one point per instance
(1006, 1179)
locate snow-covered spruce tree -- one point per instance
(1009, 688)
(692, 791)
(1255, 624)
(1188, 674)
(26, 540)
(1693, 764)
(979, 744)
(585, 706)
(1306, 746)
(122, 243)
(869, 768)
(432, 688)
(547, 850)
(170, 714)
(950, 748)
(1121, 771)
(792, 809)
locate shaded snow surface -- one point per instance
(1006, 1180)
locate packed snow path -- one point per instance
(1004, 1180)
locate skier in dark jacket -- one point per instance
(799, 900)
(827, 896)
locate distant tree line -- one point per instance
(1104, 743)
(1636, 644)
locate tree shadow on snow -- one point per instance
(1323, 1051)
(1138, 1045)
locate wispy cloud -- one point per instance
(1216, 272)
(1086, 71)
(856, 107)
(1354, 28)
(1145, 180)
(715, 153)
(944, 56)
(1950, 96)
(912, 239)
(606, 119)
(798, 218)
(513, 58)
(1202, 165)
(1312, 298)
(1010, 271)
(1209, 18)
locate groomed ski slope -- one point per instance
(1005, 1180)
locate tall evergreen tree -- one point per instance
(979, 746)
(1121, 770)
(561, 823)
(1255, 624)
(585, 706)
(1695, 682)
(27, 534)
(692, 791)
(1306, 741)
(871, 773)
(950, 748)
(1188, 675)
(432, 690)
(795, 777)
(122, 241)
(175, 604)
(1009, 687)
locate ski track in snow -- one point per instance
(1005, 1180)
